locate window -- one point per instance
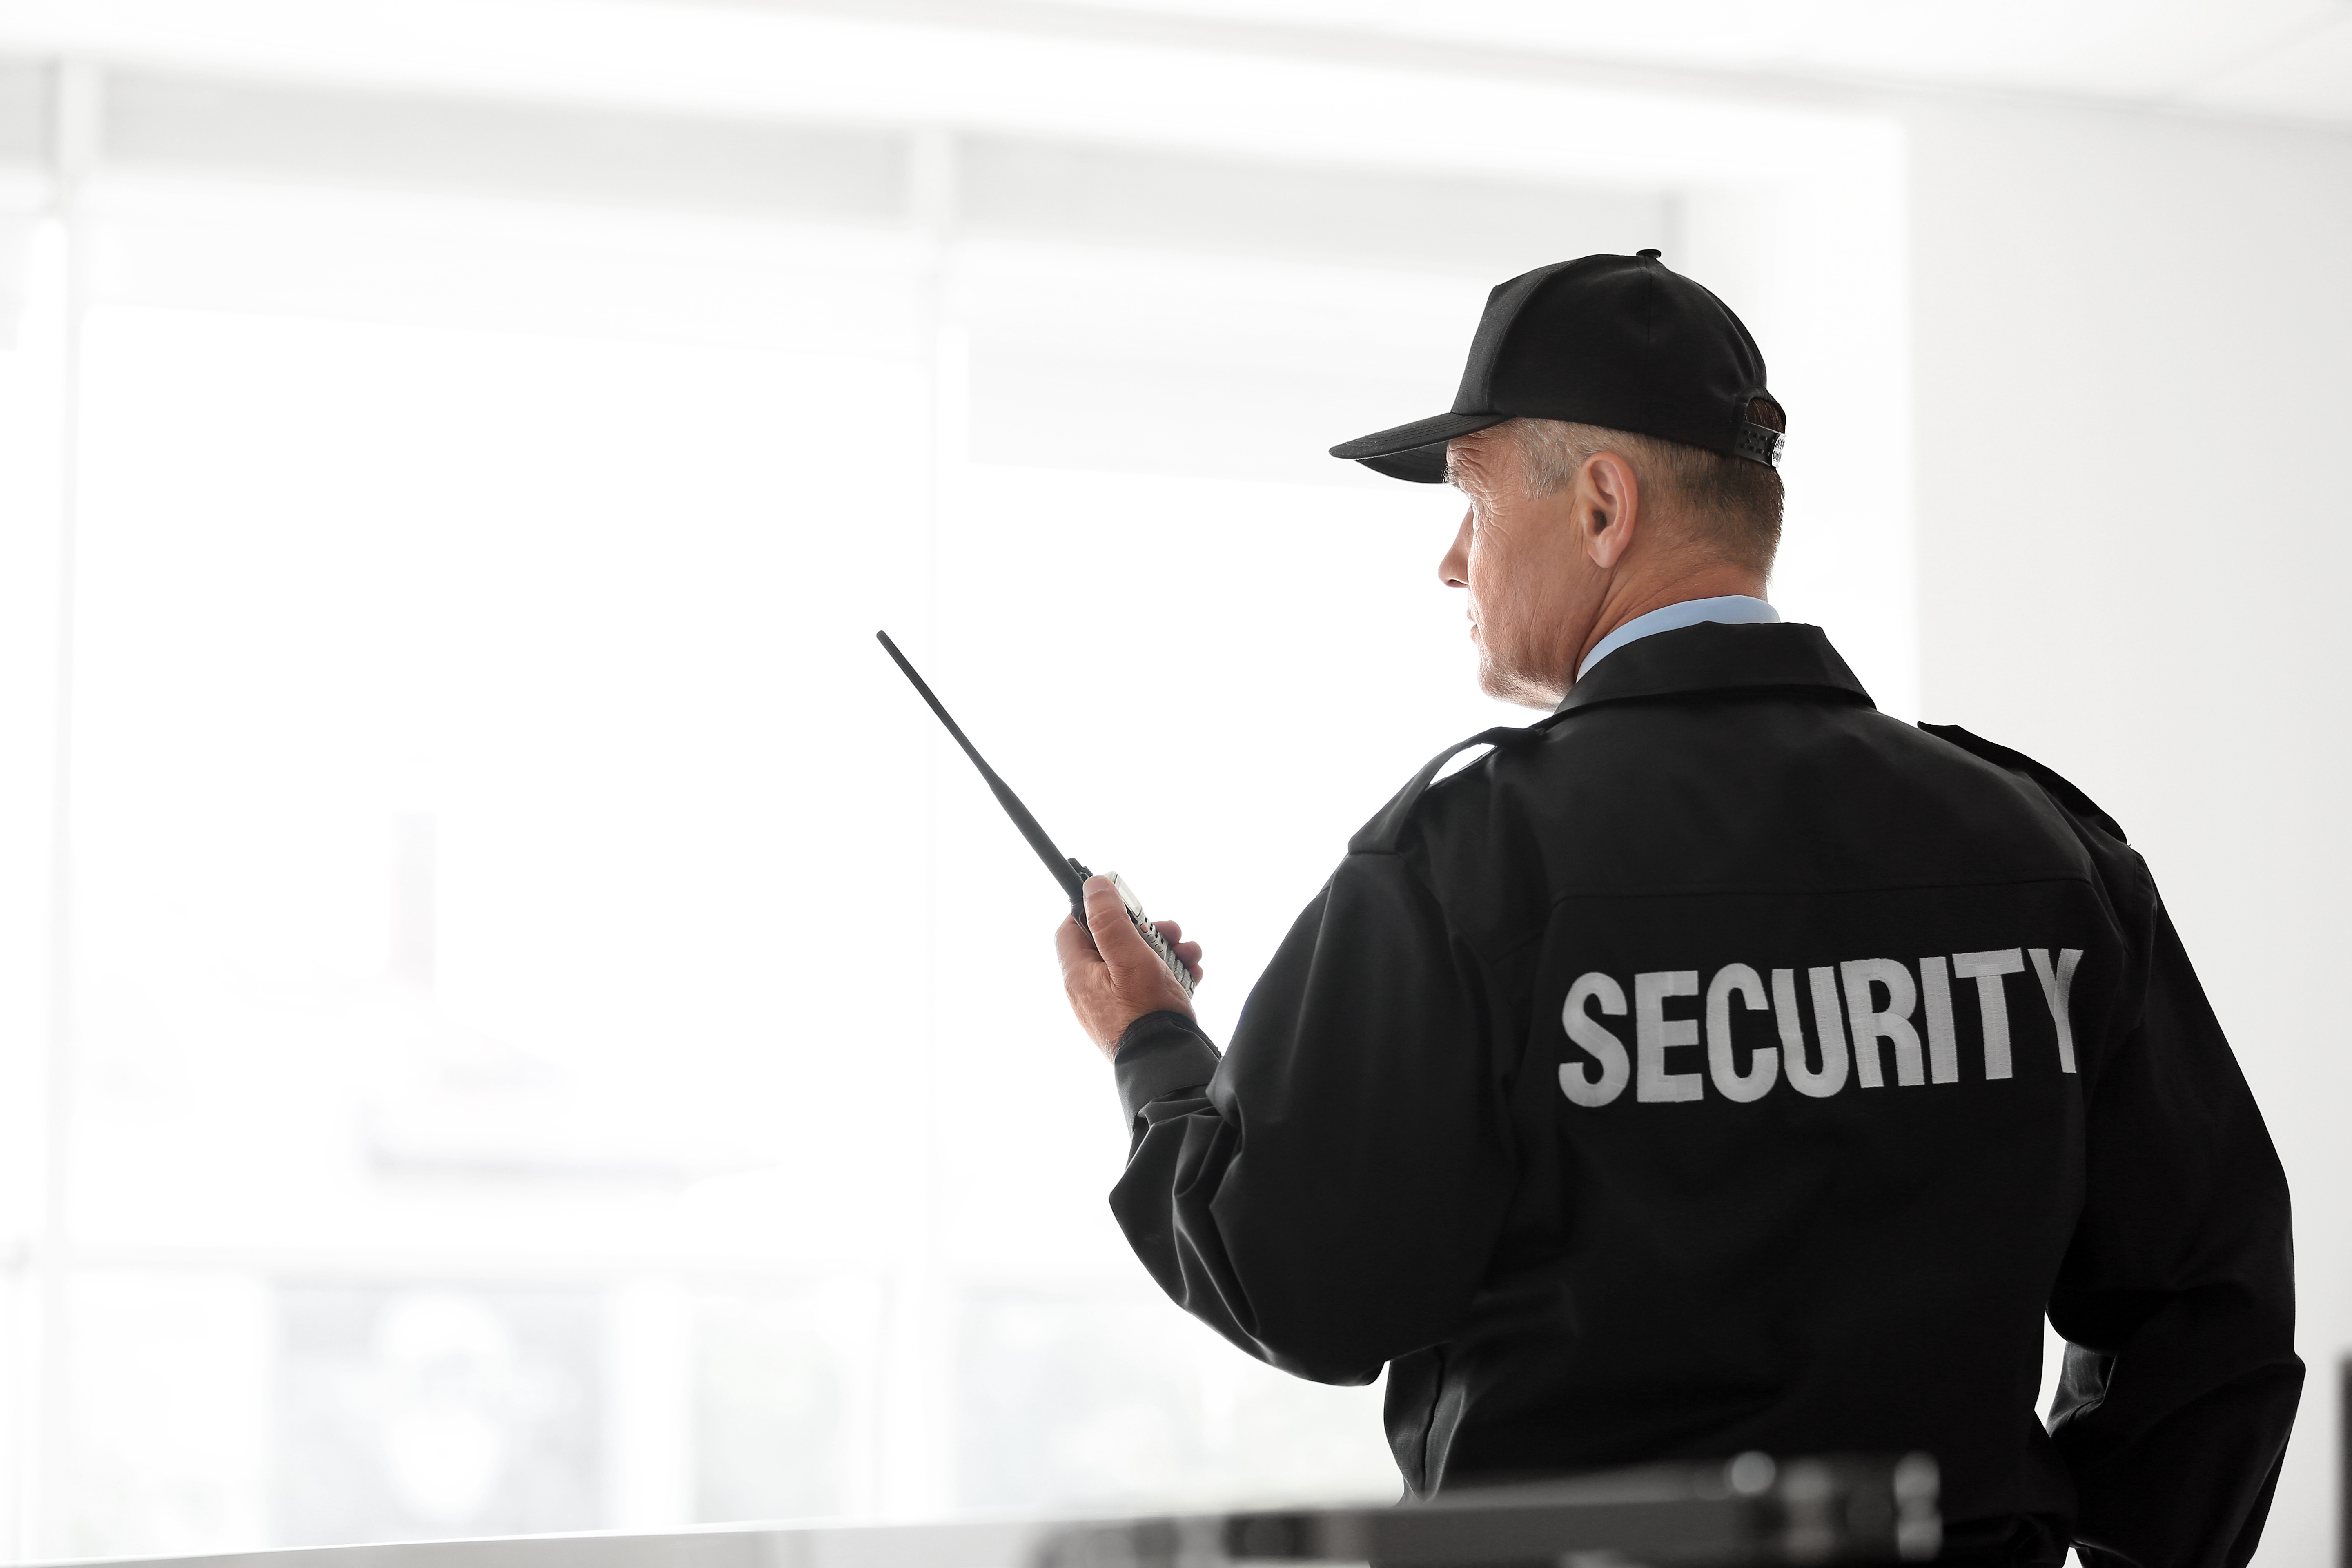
(551, 1036)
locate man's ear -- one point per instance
(1608, 508)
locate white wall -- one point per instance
(2131, 335)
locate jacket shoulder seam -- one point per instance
(2069, 796)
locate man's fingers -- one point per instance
(1112, 973)
(1121, 945)
(1187, 953)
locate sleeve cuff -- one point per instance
(1160, 1054)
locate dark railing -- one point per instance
(1744, 1512)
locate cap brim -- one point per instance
(1414, 451)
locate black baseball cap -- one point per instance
(1616, 340)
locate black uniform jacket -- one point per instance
(1717, 1065)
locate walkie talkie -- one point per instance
(1071, 874)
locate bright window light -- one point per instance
(557, 1039)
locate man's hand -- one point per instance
(1115, 978)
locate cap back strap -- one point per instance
(1759, 444)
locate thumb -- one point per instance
(1121, 945)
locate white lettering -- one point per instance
(2058, 989)
(1575, 1079)
(1764, 1062)
(1986, 968)
(1857, 1007)
(1892, 1023)
(1829, 1027)
(1653, 1033)
(1943, 1040)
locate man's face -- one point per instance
(1534, 589)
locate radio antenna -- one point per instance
(1066, 871)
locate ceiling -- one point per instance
(2288, 59)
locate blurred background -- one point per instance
(510, 1017)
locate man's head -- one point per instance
(1572, 529)
(1619, 451)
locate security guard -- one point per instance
(1719, 1064)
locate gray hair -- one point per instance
(1733, 504)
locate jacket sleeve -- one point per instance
(1326, 1196)
(2177, 1296)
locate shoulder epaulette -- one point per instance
(2073, 799)
(1380, 835)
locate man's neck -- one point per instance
(1618, 605)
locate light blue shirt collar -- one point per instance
(1732, 609)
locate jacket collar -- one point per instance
(1715, 657)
